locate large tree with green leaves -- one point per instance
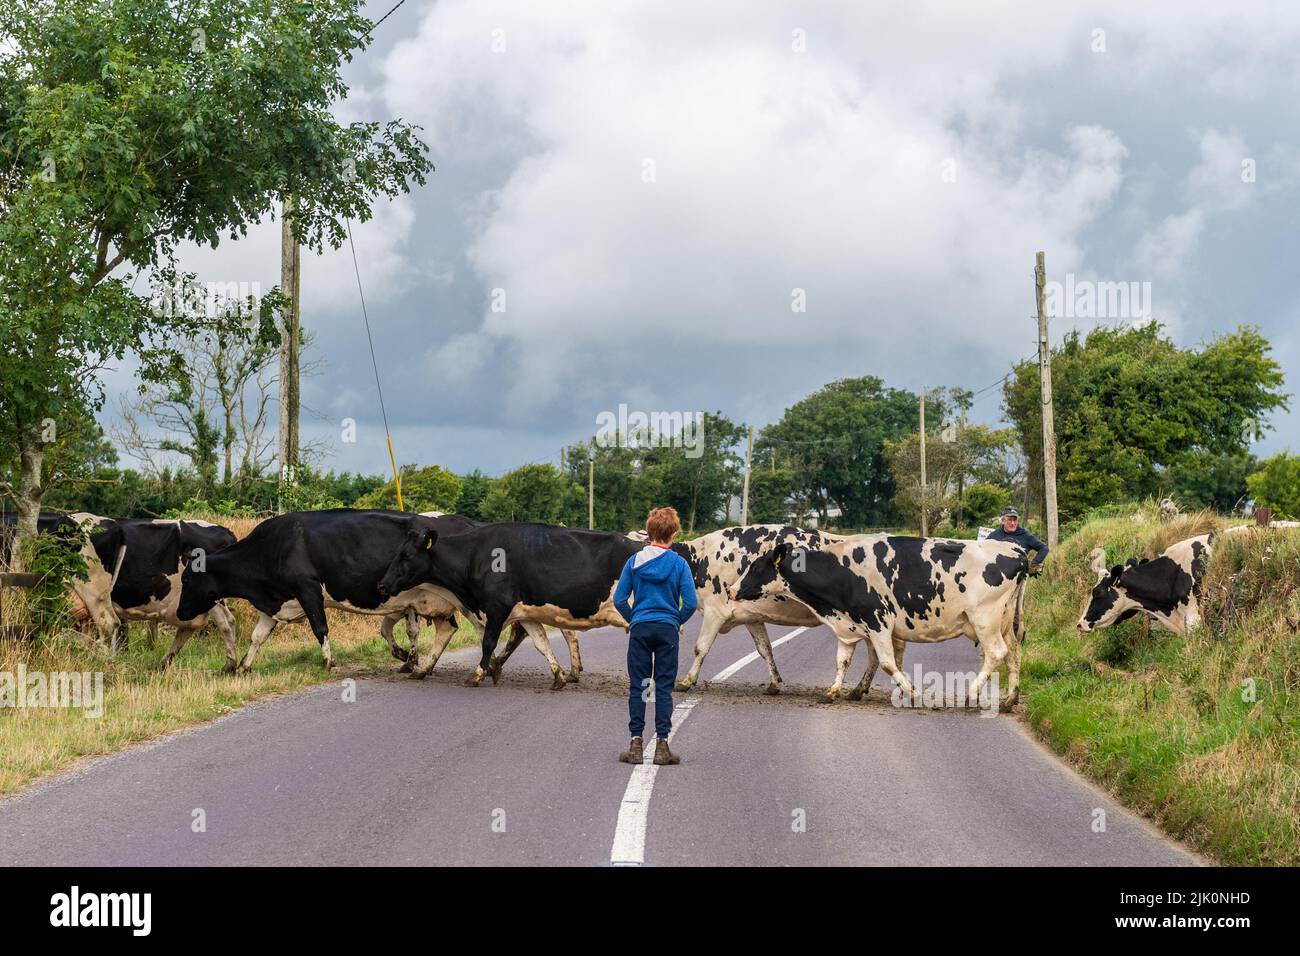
(1130, 404)
(130, 127)
(833, 444)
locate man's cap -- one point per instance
(1010, 512)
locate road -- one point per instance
(433, 772)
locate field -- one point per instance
(1199, 733)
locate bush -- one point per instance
(1277, 485)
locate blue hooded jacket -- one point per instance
(660, 582)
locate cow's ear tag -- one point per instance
(777, 559)
(428, 545)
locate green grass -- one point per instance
(1164, 721)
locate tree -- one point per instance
(1129, 403)
(833, 443)
(1277, 485)
(473, 489)
(532, 493)
(698, 481)
(956, 456)
(1204, 479)
(433, 488)
(127, 128)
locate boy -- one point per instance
(659, 581)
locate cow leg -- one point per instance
(221, 616)
(843, 657)
(1013, 674)
(265, 625)
(491, 634)
(884, 647)
(412, 638)
(575, 659)
(444, 631)
(183, 634)
(517, 635)
(763, 644)
(386, 632)
(709, 627)
(994, 651)
(538, 633)
(312, 601)
(873, 665)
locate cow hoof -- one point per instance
(400, 654)
(494, 671)
(419, 675)
(832, 696)
(855, 695)
(771, 690)
(558, 682)
(405, 668)
(683, 685)
(164, 663)
(230, 667)
(572, 678)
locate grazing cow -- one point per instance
(295, 565)
(896, 589)
(1165, 587)
(529, 574)
(148, 585)
(103, 549)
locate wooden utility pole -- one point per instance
(1045, 394)
(290, 280)
(591, 490)
(925, 528)
(744, 495)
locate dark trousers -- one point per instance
(651, 649)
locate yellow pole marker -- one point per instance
(397, 480)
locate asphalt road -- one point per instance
(434, 772)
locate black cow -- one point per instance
(296, 565)
(148, 584)
(517, 573)
(1166, 587)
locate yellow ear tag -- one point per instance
(428, 545)
(777, 559)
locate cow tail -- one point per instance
(1016, 626)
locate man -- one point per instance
(663, 598)
(1011, 531)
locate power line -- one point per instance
(386, 15)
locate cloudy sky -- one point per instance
(631, 200)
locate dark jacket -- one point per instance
(659, 582)
(1022, 537)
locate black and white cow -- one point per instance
(148, 584)
(898, 589)
(718, 561)
(1165, 587)
(295, 565)
(101, 543)
(533, 575)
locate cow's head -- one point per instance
(762, 579)
(1109, 601)
(412, 562)
(199, 590)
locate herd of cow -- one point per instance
(520, 578)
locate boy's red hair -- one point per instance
(662, 524)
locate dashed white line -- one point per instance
(753, 655)
(629, 832)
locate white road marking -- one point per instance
(753, 655)
(629, 832)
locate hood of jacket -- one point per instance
(648, 566)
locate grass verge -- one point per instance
(1200, 733)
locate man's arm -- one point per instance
(686, 591)
(624, 591)
(1038, 547)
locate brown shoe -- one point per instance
(663, 755)
(634, 752)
